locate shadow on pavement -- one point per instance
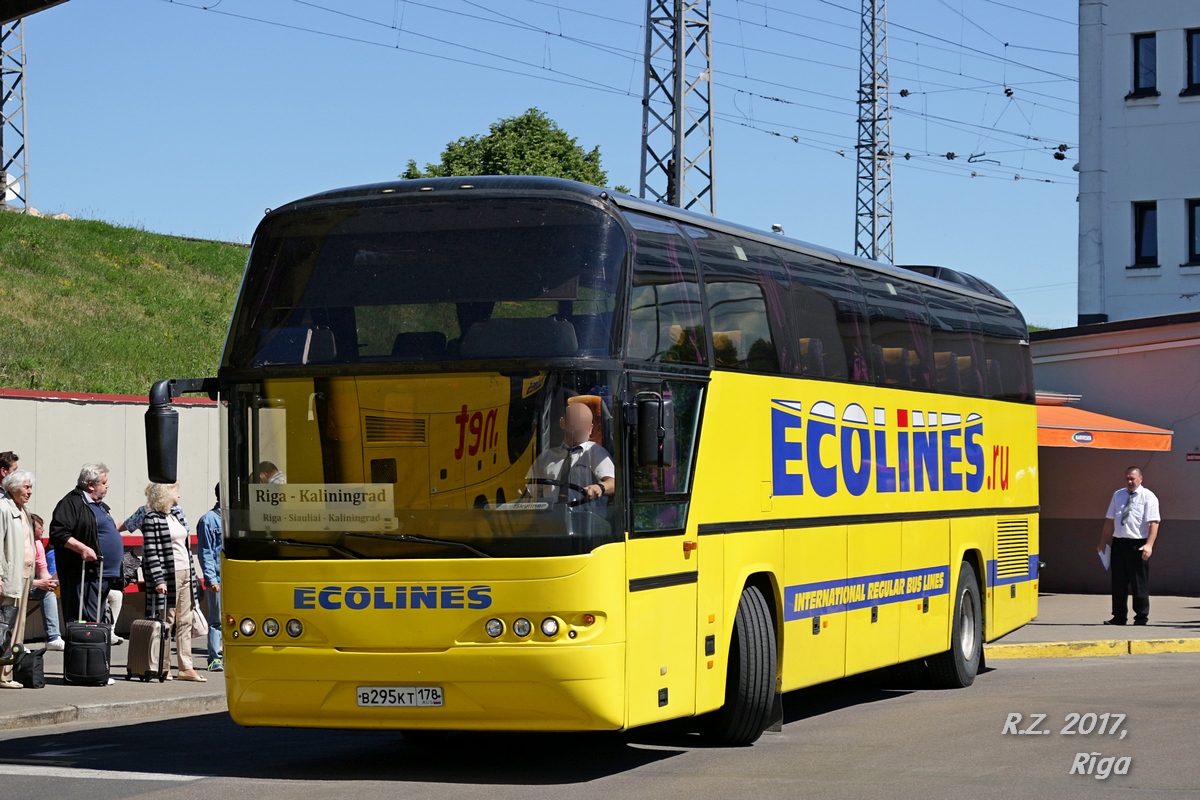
(218, 747)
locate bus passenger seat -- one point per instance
(321, 347)
(726, 345)
(812, 357)
(539, 337)
(419, 346)
(895, 366)
(946, 365)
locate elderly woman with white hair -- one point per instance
(167, 565)
(17, 554)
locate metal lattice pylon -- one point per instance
(677, 112)
(873, 214)
(14, 180)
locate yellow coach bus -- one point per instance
(522, 454)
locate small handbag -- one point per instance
(199, 624)
(30, 669)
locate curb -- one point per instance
(107, 712)
(1106, 647)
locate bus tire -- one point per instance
(751, 675)
(956, 668)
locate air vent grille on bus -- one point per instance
(394, 430)
(1012, 547)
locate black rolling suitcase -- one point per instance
(148, 653)
(88, 652)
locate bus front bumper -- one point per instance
(529, 687)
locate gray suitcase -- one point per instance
(148, 656)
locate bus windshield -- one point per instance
(430, 280)
(457, 465)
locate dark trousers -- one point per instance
(1129, 570)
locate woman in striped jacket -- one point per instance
(167, 565)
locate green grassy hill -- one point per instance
(90, 307)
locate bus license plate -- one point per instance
(400, 696)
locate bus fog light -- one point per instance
(550, 626)
(522, 627)
(294, 628)
(494, 628)
(248, 627)
(270, 627)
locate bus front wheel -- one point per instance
(751, 675)
(956, 668)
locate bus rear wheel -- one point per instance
(956, 668)
(751, 675)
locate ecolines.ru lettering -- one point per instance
(892, 451)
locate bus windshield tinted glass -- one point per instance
(430, 280)
(452, 465)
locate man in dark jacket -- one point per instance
(81, 531)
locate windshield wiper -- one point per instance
(408, 537)
(348, 553)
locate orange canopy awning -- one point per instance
(1060, 426)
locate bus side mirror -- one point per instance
(162, 425)
(656, 431)
(162, 436)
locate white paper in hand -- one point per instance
(1106, 556)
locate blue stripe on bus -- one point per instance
(1031, 573)
(830, 597)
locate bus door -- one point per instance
(662, 562)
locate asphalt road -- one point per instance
(862, 738)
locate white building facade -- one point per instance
(1139, 158)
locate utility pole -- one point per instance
(677, 112)
(873, 214)
(14, 182)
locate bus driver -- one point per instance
(589, 475)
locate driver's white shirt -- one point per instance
(590, 463)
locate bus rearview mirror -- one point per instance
(656, 431)
(162, 443)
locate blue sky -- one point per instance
(190, 121)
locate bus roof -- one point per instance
(501, 184)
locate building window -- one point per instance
(1193, 233)
(1145, 234)
(1145, 66)
(1193, 63)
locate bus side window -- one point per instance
(1009, 368)
(744, 283)
(958, 356)
(827, 319)
(902, 352)
(666, 321)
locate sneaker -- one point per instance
(116, 640)
(110, 682)
(1114, 622)
(216, 665)
(56, 644)
(10, 685)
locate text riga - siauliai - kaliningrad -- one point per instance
(1095, 764)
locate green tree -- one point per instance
(529, 144)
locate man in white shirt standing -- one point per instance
(589, 474)
(1131, 526)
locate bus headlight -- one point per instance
(270, 627)
(550, 626)
(294, 628)
(248, 627)
(494, 628)
(522, 627)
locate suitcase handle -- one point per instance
(99, 588)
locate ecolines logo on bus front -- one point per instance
(896, 450)
(357, 598)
